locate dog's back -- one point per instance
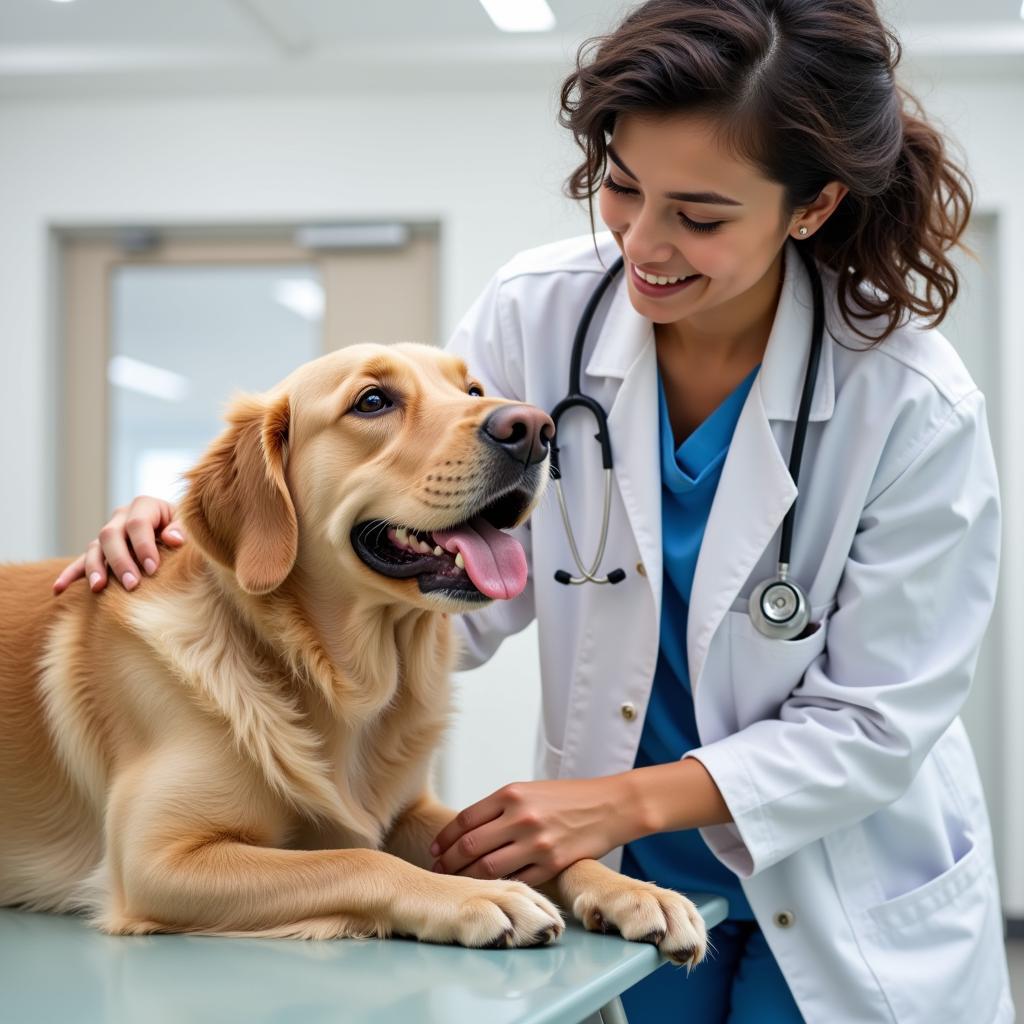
(50, 836)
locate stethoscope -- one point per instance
(778, 607)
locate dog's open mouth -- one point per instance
(473, 560)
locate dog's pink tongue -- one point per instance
(496, 562)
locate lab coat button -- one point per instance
(784, 918)
(628, 711)
(641, 568)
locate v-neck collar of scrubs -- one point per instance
(695, 460)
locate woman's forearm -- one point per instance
(670, 797)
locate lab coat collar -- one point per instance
(626, 333)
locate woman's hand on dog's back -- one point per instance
(127, 546)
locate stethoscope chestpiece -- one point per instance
(778, 608)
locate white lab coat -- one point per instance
(857, 803)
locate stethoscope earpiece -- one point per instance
(615, 576)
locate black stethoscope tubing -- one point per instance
(781, 622)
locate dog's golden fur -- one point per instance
(243, 744)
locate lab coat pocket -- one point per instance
(765, 671)
(936, 949)
(937, 894)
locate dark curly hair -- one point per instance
(804, 90)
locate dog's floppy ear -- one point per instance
(238, 508)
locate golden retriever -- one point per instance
(242, 746)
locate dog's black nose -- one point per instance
(524, 431)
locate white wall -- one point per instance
(487, 167)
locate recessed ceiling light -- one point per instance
(63, 1)
(520, 15)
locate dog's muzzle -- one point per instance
(472, 559)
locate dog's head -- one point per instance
(386, 466)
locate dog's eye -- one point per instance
(476, 389)
(373, 400)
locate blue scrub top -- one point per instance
(689, 478)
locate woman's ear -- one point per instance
(238, 509)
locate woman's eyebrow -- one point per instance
(690, 197)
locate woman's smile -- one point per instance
(659, 287)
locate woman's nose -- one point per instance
(645, 241)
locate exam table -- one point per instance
(53, 968)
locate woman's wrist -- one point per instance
(670, 797)
(636, 805)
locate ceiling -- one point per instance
(260, 45)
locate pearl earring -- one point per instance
(803, 230)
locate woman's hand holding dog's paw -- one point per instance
(480, 914)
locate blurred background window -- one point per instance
(183, 339)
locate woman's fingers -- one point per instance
(71, 572)
(114, 544)
(138, 527)
(95, 566)
(126, 542)
(482, 853)
(145, 517)
(173, 533)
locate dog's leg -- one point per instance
(170, 873)
(219, 885)
(416, 828)
(641, 911)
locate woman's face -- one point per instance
(730, 239)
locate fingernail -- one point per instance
(435, 849)
(174, 535)
(129, 580)
(150, 566)
(94, 578)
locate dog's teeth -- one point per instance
(438, 550)
(423, 549)
(403, 535)
(459, 562)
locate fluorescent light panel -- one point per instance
(352, 236)
(146, 379)
(303, 297)
(520, 15)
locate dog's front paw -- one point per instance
(642, 912)
(482, 914)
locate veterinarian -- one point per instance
(824, 782)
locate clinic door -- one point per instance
(160, 329)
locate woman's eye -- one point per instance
(475, 389)
(615, 187)
(697, 225)
(692, 225)
(374, 400)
